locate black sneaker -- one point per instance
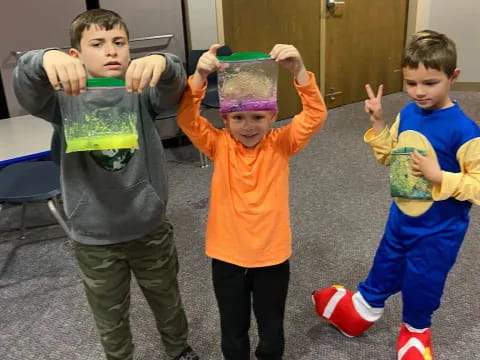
(187, 354)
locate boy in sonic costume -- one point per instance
(422, 236)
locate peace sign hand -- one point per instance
(373, 107)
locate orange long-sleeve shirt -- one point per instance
(249, 222)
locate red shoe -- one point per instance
(414, 346)
(335, 305)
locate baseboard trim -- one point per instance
(466, 86)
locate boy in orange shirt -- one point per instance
(248, 231)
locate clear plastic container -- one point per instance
(402, 183)
(104, 117)
(247, 82)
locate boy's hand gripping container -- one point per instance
(402, 183)
(247, 82)
(104, 117)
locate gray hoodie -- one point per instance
(104, 206)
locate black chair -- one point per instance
(166, 125)
(30, 182)
(56, 146)
(211, 94)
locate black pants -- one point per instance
(235, 289)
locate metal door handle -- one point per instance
(331, 95)
(332, 3)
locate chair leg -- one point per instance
(203, 160)
(55, 201)
(52, 205)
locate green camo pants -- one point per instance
(106, 273)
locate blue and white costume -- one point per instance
(422, 237)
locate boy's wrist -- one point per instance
(198, 80)
(379, 126)
(437, 178)
(301, 76)
(49, 52)
(160, 57)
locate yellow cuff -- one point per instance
(370, 138)
(448, 186)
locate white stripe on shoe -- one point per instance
(333, 302)
(411, 343)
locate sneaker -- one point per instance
(187, 354)
(413, 345)
(335, 305)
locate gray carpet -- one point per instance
(339, 204)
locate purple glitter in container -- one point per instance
(229, 106)
(248, 82)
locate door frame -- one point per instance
(220, 30)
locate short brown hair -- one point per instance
(103, 18)
(431, 49)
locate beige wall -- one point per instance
(27, 24)
(460, 20)
(202, 18)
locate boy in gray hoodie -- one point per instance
(115, 199)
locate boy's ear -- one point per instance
(225, 120)
(455, 75)
(273, 116)
(74, 52)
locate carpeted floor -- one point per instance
(339, 204)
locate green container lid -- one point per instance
(105, 82)
(406, 150)
(245, 56)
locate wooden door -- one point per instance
(354, 43)
(257, 25)
(364, 40)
